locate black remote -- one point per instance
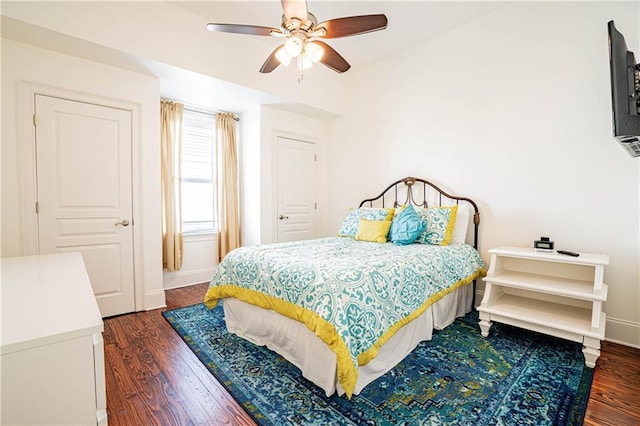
(568, 253)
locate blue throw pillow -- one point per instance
(406, 227)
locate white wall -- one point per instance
(249, 169)
(514, 111)
(199, 261)
(21, 62)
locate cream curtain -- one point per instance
(171, 141)
(227, 200)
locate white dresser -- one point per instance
(52, 348)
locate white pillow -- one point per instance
(459, 235)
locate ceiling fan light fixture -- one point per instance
(294, 45)
(283, 56)
(314, 52)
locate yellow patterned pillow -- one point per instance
(375, 231)
(440, 222)
(349, 227)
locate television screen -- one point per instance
(625, 92)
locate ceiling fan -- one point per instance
(303, 33)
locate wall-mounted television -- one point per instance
(625, 92)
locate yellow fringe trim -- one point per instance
(452, 221)
(347, 372)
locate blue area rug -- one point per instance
(513, 377)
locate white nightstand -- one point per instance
(549, 293)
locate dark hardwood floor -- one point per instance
(152, 377)
(615, 391)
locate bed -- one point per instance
(346, 309)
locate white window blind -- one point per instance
(198, 172)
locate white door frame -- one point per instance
(27, 92)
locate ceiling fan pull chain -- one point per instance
(300, 68)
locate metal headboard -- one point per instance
(422, 193)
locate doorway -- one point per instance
(84, 193)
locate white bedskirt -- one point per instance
(300, 346)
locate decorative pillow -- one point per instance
(440, 222)
(459, 235)
(406, 227)
(350, 225)
(374, 231)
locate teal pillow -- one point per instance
(406, 227)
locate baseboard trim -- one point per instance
(179, 279)
(623, 332)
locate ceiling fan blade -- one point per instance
(242, 29)
(295, 9)
(271, 63)
(332, 59)
(353, 25)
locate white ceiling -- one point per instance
(410, 22)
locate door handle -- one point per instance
(282, 217)
(123, 222)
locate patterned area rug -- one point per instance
(513, 377)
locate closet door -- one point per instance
(84, 195)
(296, 190)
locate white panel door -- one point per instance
(83, 154)
(296, 171)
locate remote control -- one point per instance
(568, 253)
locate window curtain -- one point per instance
(227, 200)
(171, 141)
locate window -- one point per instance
(198, 168)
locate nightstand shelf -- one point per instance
(549, 293)
(544, 284)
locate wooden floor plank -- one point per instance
(153, 378)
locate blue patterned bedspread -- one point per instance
(353, 294)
